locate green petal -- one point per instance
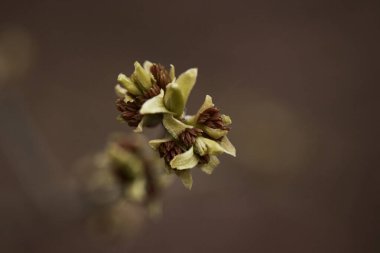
(209, 167)
(178, 92)
(186, 82)
(226, 120)
(154, 144)
(142, 77)
(207, 146)
(185, 160)
(120, 91)
(228, 147)
(172, 72)
(154, 105)
(173, 125)
(147, 65)
(214, 132)
(128, 84)
(186, 178)
(139, 128)
(206, 104)
(173, 99)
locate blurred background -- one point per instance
(297, 77)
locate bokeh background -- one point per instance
(297, 77)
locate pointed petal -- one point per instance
(154, 144)
(120, 91)
(154, 105)
(147, 65)
(186, 178)
(186, 160)
(178, 92)
(173, 125)
(209, 167)
(172, 72)
(174, 100)
(205, 146)
(139, 128)
(228, 147)
(128, 84)
(186, 82)
(143, 77)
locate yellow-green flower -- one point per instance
(145, 83)
(187, 147)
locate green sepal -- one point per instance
(128, 84)
(142, 77)
(120, 91)
(227, 146)
(186, 160)
(205, 146)
(154, 105)
(177, 93)
(226, 120)
(172, 73)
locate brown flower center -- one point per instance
(161, 74)
(130, 111)
(212, 117)
(188, 136)
(168, 150)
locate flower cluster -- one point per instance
(153, 94)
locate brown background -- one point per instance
(297, 77)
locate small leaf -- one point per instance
(186, 178)
(154, 105)
(186, 160)
(209, 167)
(128, 84)
(228, 147)
(173, 125)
